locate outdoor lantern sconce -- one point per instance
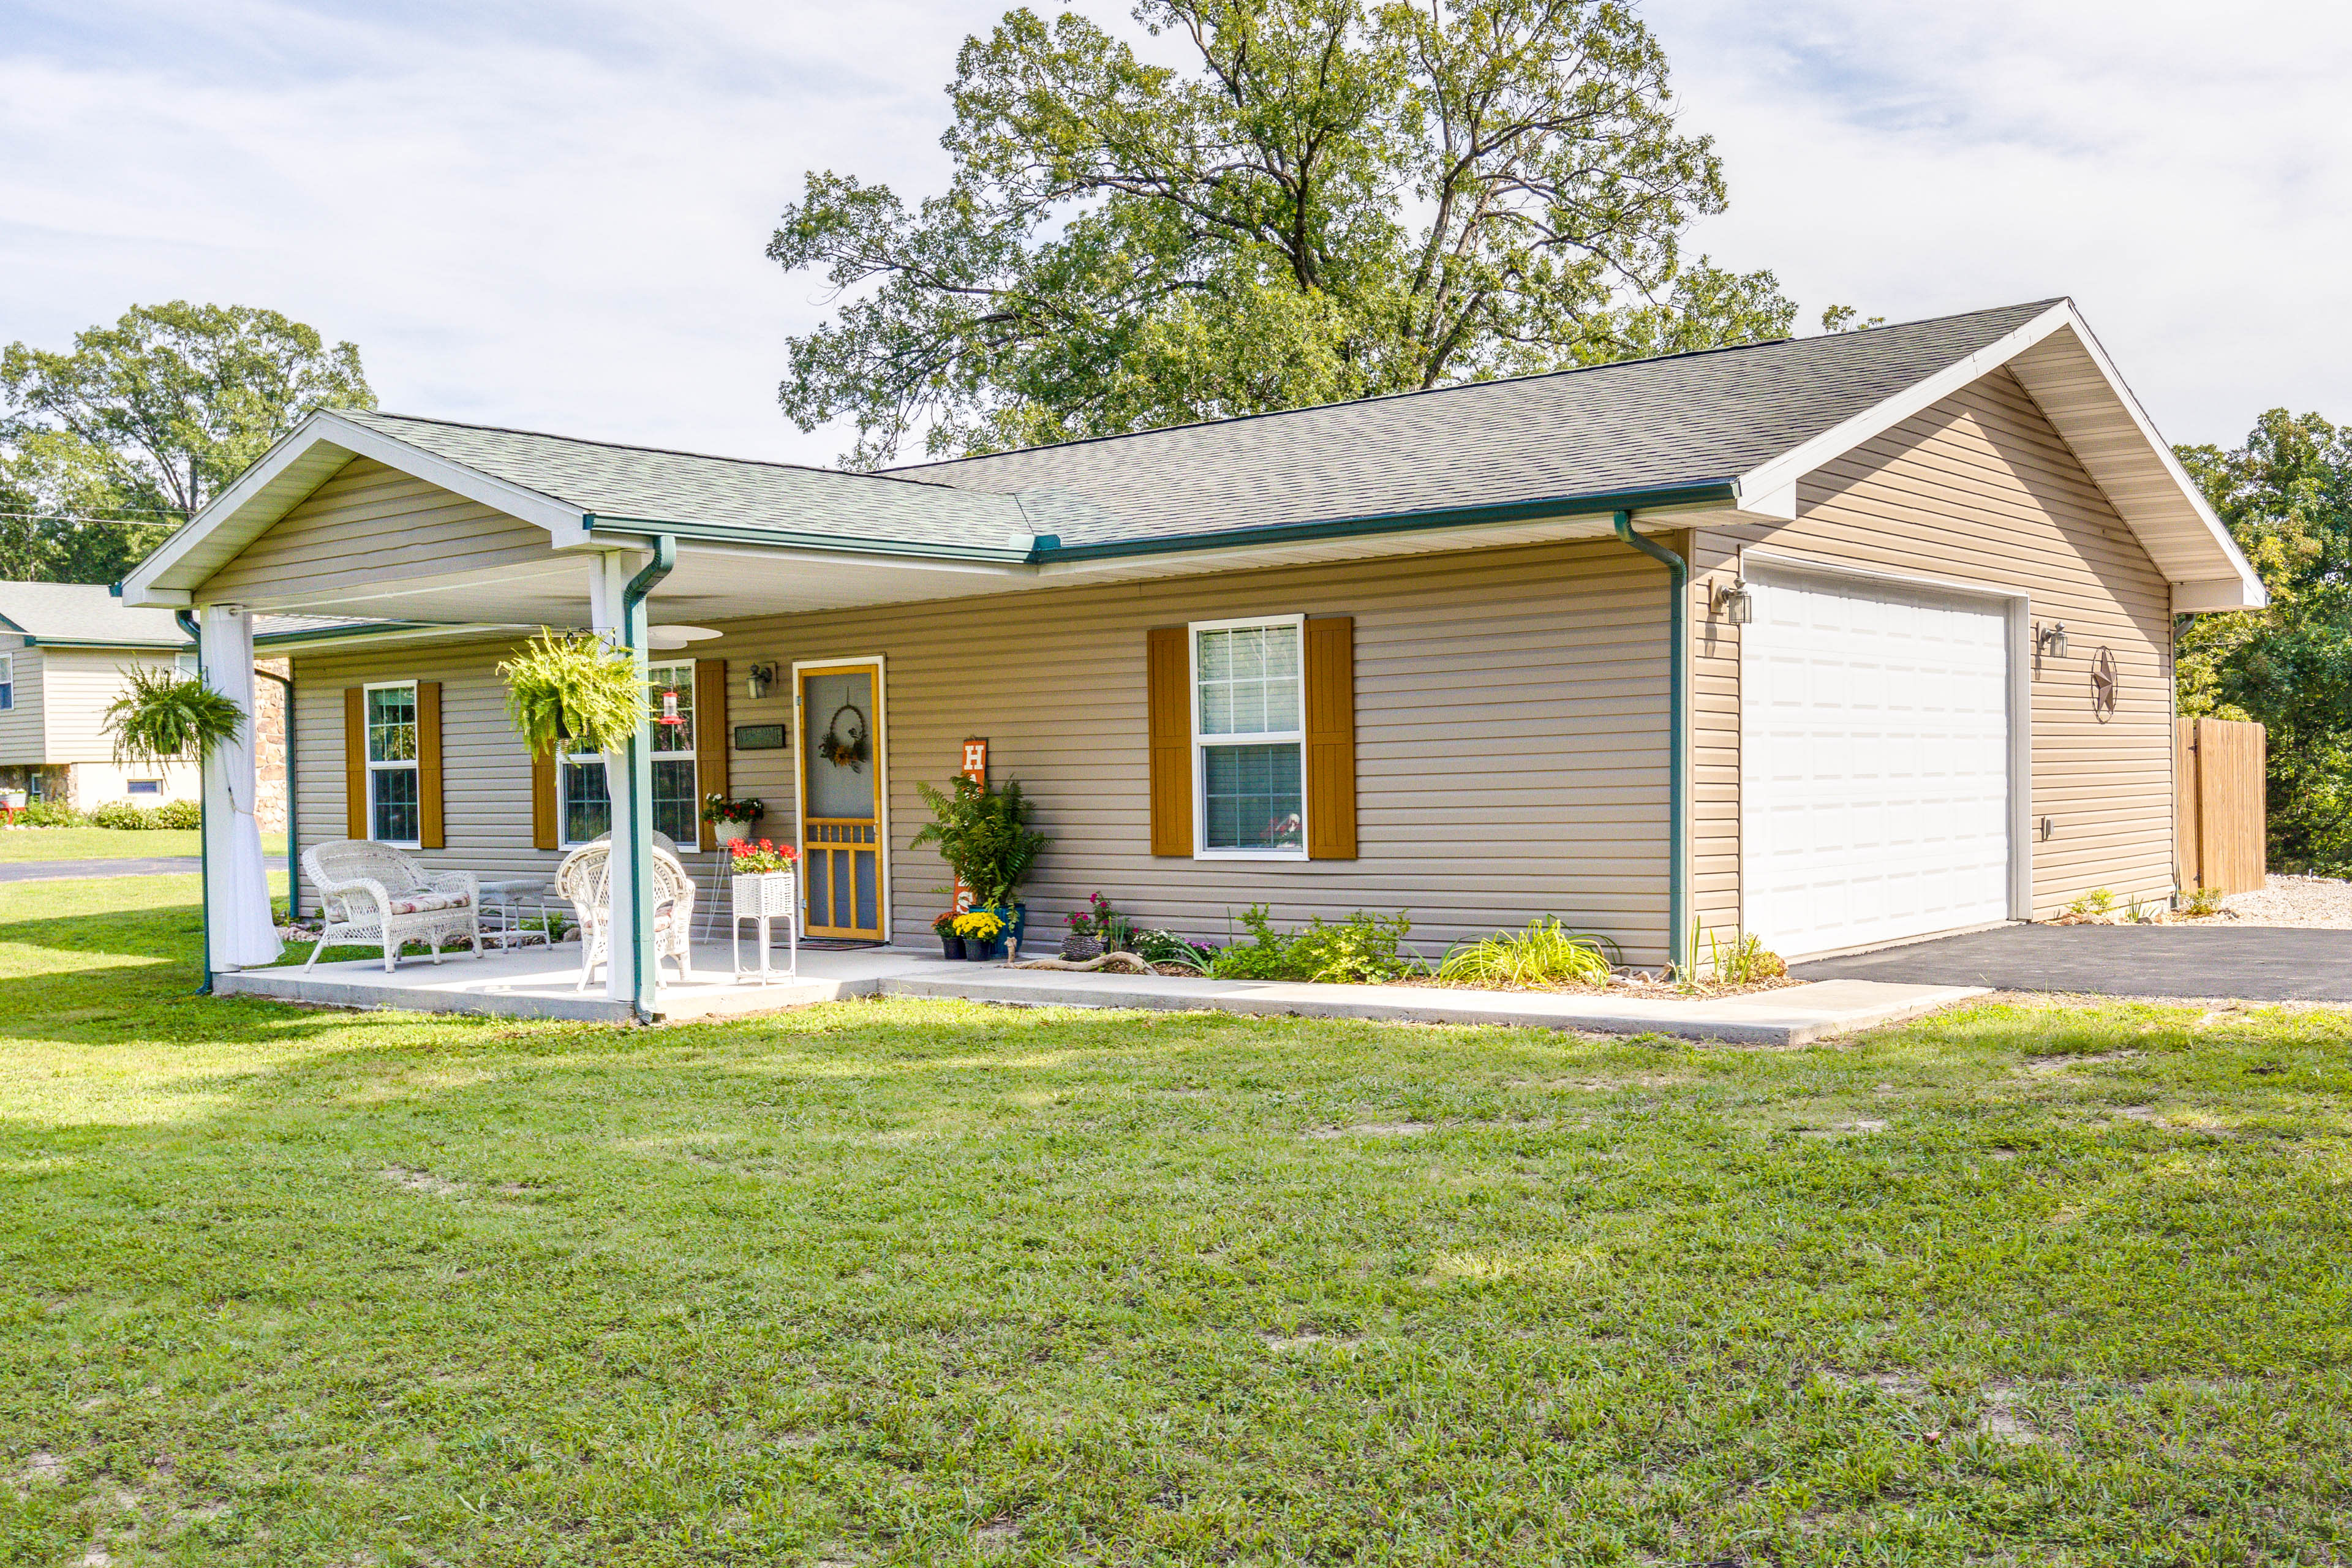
(757, 681)
(2049, 641)
(1734, 603)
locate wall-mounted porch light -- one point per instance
(1734, 603)
(757, 679)
(2050, 639)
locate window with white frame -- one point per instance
(7, 680)
(142, 786)
(392, 771)
(678, 810)
(1249, 775)
(587, 800)
(187, 664)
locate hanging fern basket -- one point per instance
(166, 716)
(572, 691)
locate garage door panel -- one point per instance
(1874, 742)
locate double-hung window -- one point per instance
(586, 798)
(1249, 780)
(678, 810)
(392, 768)
(7, 680)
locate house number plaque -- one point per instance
(761, 738)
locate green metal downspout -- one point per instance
(1678, 914)
(203, 823)
(644, 958)
(293, 828)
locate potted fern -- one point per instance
(984, 834)
(164, 716)
(575, 691)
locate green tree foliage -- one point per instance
(144, 422)
(2286, 498)
(1336, 198)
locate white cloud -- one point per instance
(554, 217)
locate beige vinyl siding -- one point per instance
(77, 685)
(1511, 754)
(1980, 490)
(23, 740)
(371, 524)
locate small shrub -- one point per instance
(1745, 959)
(2097, 901)
(1545, 954)
(1364, 948)
(1167, 947)
(2201, 902)
(179, 814)
(121, 813)
(48, 814)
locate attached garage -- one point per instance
(1878, 763)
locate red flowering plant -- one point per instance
(751, 859)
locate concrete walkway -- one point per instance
(534, 982)
(60, 870)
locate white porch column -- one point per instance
(613, 574)
(238, 926)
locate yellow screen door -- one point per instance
(841, 798)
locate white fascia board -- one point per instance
(243, 512)
(2218, 593)
(1782, 472)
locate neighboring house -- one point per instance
(64, 650)
(1417, 652)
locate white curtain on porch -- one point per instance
(243, 932)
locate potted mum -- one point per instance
(982, 932)
(731, 819)
(943, 927)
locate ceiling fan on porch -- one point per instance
(668, 639)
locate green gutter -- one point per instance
(644, 957)
(849, 545)
(364, 630)
(1715, 492)
(1679, 935)
(204, 814)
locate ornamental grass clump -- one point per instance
(165, 715)
(575, 688)
(1543, 955)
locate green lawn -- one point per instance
(109, 843)
(935, 1283)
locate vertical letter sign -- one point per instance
(975, 768)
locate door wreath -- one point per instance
(845, 752)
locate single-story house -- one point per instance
(1837, 640)
(65, 649)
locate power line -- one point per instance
(76, 517)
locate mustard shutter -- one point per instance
(710, 737)
(428, 764)
(355, 822)
(1168, 674)
(543, 833)
(1332, 737)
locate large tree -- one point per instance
(104, 448)
(2286, 499)
(1333, 198)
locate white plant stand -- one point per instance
(765, 897)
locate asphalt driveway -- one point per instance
(2259, 963)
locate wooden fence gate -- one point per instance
(2217, 807)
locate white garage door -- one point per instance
(1875, 762)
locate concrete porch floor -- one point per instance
(538, 982)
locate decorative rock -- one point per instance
(1077, 947)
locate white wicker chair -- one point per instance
(371, 893)
(583, 879)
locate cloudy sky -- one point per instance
(553, 216)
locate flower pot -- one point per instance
(950, 947)
(758, 893)
(981, 952)
(723, 828)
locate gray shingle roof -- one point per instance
(85, 613)
(648, 484)
(1687, 420)
(1636, 425)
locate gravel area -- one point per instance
(2314, 903)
